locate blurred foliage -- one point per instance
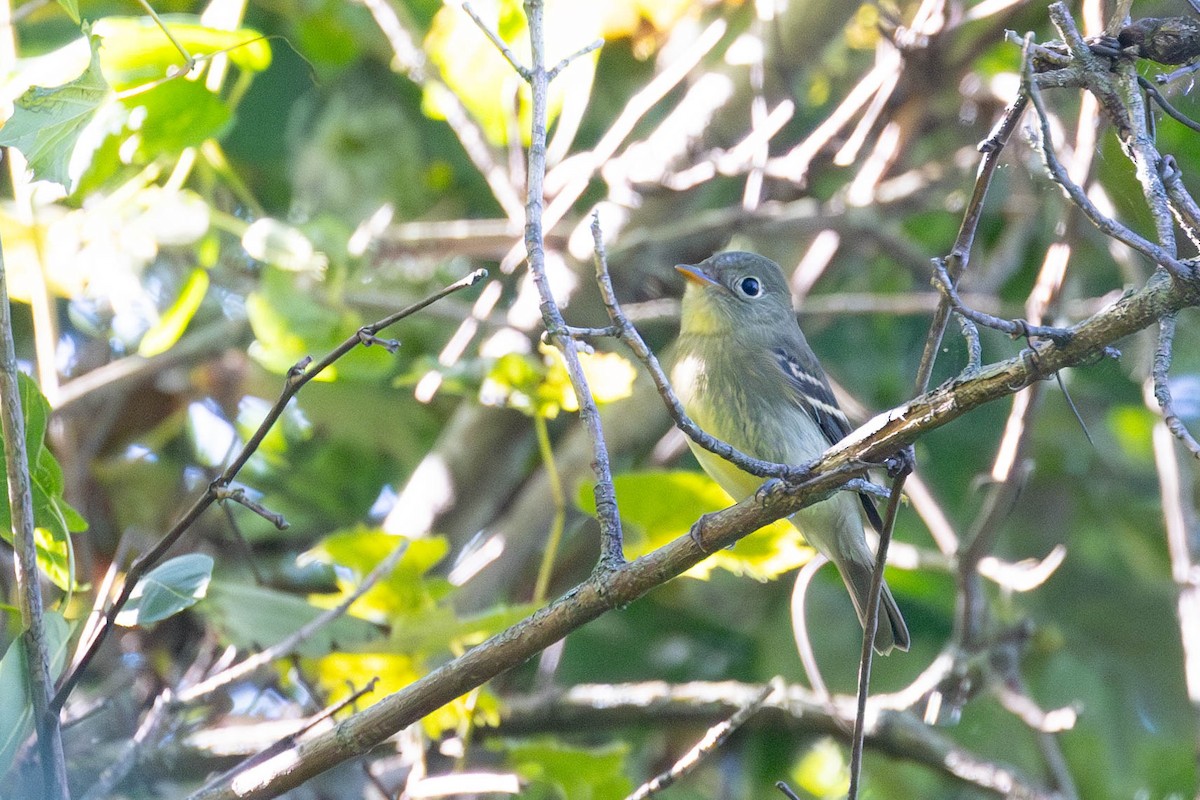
(301, 180)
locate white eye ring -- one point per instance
(750, 286)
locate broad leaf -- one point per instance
(167, 589)
(174, 322)
(47, 122)
(661, 506)
(16, 707)
(53, 517)
(569, 771)
(136, 51)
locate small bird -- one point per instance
(745, 374)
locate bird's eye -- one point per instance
(750, 287)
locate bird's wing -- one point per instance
(811, 391)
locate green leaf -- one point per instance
(168, 589)
(137, 52)
(290, 321)
(47, 122)
(255, 617)
(53, 517)
(178, 114)
(577, 773)
(661, 506)
(172, 324)
(440, 630)
(406, 590)
(72, 9)
(16, 706)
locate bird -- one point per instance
(746, 375)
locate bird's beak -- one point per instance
(696, 275)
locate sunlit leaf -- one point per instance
(16, 707)
(542, 387)
(823, 771)
(661, 506)
(172, 324)
(54, 519)
(47, 122)
(174, 115)
(72, 9)
(136, 51)
(406, 590)
(484, 81)
(169, 588)
(342, 673)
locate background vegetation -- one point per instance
(183, 241)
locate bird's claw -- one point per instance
(770, 487)
(901, 462)
(696, 534)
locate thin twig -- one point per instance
(960, 254)
(871, 624)
(1162, 385)
(501, 45)
(297, 377)
(554, 71)
(1183, 205)
(238, 495)
(974, 348)
(1160, 255)
(29, 588)
(1016, 328)
(716, 736)
(612, 550)
(1166, 106)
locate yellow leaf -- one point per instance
(172, 324)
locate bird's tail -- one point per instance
(891, 631)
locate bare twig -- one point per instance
(1184, 206)
(871, 624)
(296, 379)
(1162, 255)
(714, 738)
(501, 45)
(237, 494)
(411, 61)
(612, 549)
(591, 47)
(1162, 385)
(1016, 328)
(29, 588)
(960, 254)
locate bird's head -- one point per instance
(730, 293)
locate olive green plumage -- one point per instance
(745, 374)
